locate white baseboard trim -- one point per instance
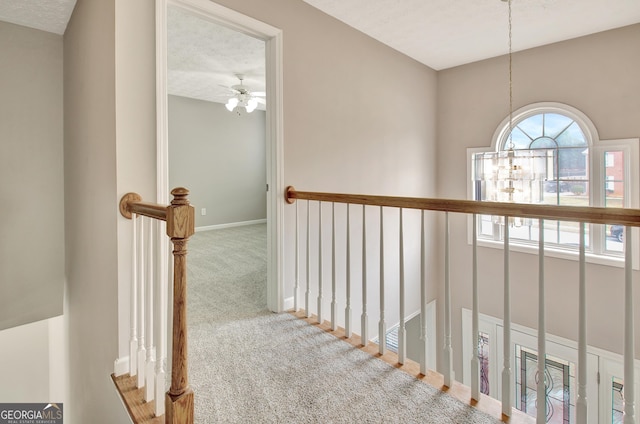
(288, 303)
(121, 366)
(231, 224)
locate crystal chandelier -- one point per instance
(510, 175)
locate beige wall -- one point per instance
(220, 156)
(91, 212)
(358, 118)
(344, 115)
(31, 171)
(351, 105)
(135, 114)
(33, 360)
(595, 74)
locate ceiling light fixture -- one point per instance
(242, 98)
(510, 175)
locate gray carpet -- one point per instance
(248, 365)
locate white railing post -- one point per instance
(582, 405)
(334, 301)
(475, 317)
(364, 319)
(151, 349)
(347, 308)
(163, 287)
(541, 416)
(447, 352)
(382, 325)
(506, 370)
(423, 297)
(297, 261)
(307, 312)
(402, 334)
(133, 337)
(319, 263)
(142, 353)
(629, 340)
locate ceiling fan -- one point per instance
(244, 97)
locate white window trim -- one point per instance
(630, 147)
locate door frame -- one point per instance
(272, 37)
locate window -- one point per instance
(483, 357)
(617, 401)
(560, 384)
(578, 170)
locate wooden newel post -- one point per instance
(180, 226)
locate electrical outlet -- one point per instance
(203, 211)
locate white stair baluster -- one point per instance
(320, 263)
(475, 316)
(334, 302)
(307, 311)
(447, 353)
(133, 341)
(424, 337)
(364, 319)
(629, 339)
(402, 334)
(582, 405)
(163, 287)
(541, 416)
(347, 308)
(297, 260)
(382, 325)
(142, 352)
(151, 310)
(506, 370)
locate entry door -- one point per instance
(560, 375)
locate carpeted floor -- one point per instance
(247, 365)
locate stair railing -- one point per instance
(150, 371)
(597, 215)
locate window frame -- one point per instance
(597, 173)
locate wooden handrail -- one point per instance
(180, 218)
(132, 203)
(595, 215)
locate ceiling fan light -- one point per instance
(251, 105)
(231, 104)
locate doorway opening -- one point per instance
(242, 209)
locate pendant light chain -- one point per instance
(511, 145)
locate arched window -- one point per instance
(573, 168)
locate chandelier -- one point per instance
(510, 175)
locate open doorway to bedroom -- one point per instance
(225, 152)
(216, 136)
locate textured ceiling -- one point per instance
(445, 33)
(203, 58)
(46, 15)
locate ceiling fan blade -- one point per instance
(230, 89)
(258, 93)
(261, 100)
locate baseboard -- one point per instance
(231, 224)
(288, 304)
(121, 366)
